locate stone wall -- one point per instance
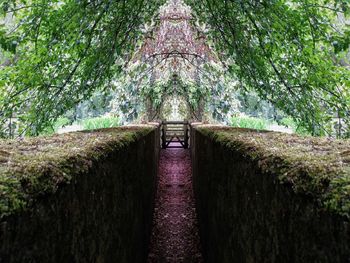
(102, 213)
(256, 205)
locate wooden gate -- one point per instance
(175, 134)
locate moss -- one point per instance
(33, 167)
(318, 167)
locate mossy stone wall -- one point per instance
(247, 213)
(102, 214)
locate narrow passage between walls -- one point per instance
(175, 236)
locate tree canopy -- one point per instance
(293, 53)
(63, 51)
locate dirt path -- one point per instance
(175, 234)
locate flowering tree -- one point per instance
(175, 59)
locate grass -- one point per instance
(99, 123)
(86, 124)
(263, 124)
(249, 122)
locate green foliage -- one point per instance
(293, 54)
(249, 122)
(59, 123)
(290, 123)
(99, 123)
(287, 51)
(67, 49)
(7, 44)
